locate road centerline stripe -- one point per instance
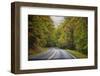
(53, 54)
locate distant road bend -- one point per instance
(51, 54)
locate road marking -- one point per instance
(53, 54)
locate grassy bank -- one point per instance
(76, 53)
(33, 52)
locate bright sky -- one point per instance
(57, 20)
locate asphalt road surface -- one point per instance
(52, 54)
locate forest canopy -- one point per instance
(71, 33)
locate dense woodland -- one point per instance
(70, 34)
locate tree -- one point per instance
(81, 35)
(40, 28)
(67, 32)
(72, 34)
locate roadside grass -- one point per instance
(33, 52)
(76, 53)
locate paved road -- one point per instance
(51, 54)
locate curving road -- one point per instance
(51, 54)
